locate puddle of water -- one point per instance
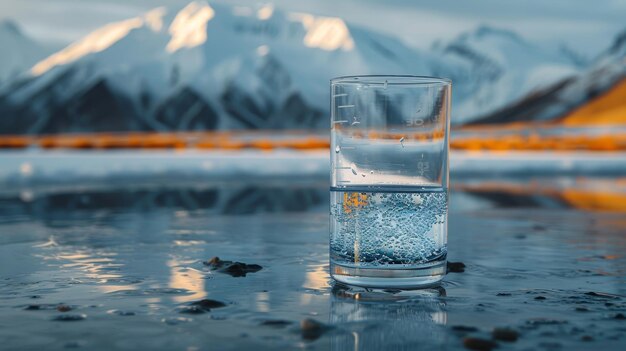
(102, 267)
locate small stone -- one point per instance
(278, 323)
(602, 295)
(586, 338)
(32, 307)
(63, 308)
(123, 313)
(456, 267)
(620, 316)
(539, 227)
(213, 261)
(479, 344)
(464, 328)
(581, 309)
(35, 297)
(503, 294)
(234, 269)
(540, 298)
(69, 317)
(312, 329)
(208, 304)
(192, 310)
(175, 320)
(505, 334)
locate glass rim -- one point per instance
(392, 80)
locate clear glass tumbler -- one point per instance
(389, 180)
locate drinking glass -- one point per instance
(389, 180)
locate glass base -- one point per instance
(400, 278)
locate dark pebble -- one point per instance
(312, 329)
(602, 295)
(581, 309)
(479, 344)
(36, 297)
(540, 298)
(505, 334)
(192, 310)
(208, 304)
(44, 306)
(63, 308)
(503, 294)
(69, 317)
(520, 236)
(608, 304)
(278, 323)
(124, 313)
(464, 328)
(619, 316)
(586, 338)
(234, 269)
(456, 267)
(538, 227)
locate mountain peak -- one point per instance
(10, 26)
(485, 32)
(619, 45)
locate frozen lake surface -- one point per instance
(118, 266)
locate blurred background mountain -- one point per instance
(111, 66)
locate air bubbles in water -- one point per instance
(337, 149)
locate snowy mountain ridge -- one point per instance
(18, 52)
(213, 66)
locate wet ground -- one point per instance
(106, 266)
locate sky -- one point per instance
(585, 26)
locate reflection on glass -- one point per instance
(402, 319)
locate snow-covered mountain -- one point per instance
(202, 67)
(492, 67)
(214, 66)
(18, 52)
(553, 102)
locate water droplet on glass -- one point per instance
(363, 175)
(371, 172)
(337, 149)
(353, 169)
(402, 141)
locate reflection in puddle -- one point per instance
(139, 249)
(238, 198)
(401, 319)
(189, 279)
(590, 194)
